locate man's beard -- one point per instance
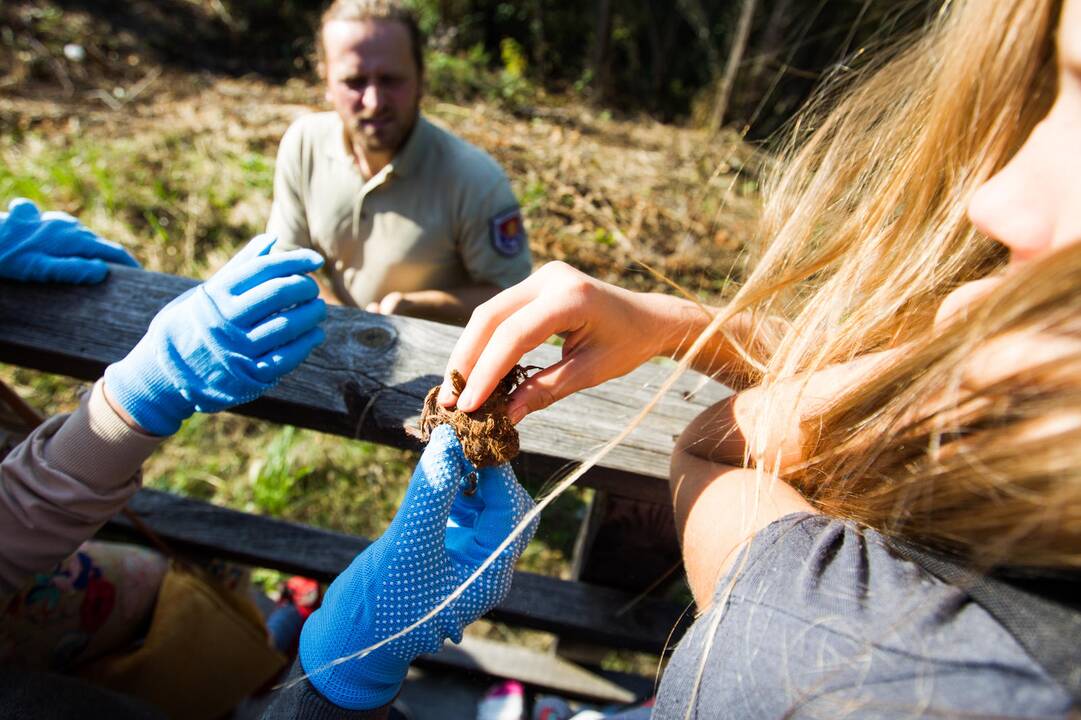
(387, 139)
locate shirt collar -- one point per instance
(405, 162)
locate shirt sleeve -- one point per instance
(288, 219)
(61, 484)
(822, 619)
(492, 237)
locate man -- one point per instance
(411, 219)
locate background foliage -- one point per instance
(657, 57)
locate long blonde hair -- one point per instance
(866, 233)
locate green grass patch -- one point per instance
(179, 205)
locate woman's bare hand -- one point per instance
(607, 332)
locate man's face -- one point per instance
(372, 82)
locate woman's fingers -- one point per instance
(555, 300)
(478, 332)
(959, 302)
(549, 386)
(608, 331)
(514, 337)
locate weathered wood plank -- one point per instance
(367, 381)
(585, 612)
(540, 671)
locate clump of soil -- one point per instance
(487, 435)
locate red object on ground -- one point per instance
(305, 593)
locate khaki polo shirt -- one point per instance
(441, 215)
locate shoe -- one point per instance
(551, 707)
(505, 701)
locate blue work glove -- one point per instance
(224, 342)
(53, 247)
(437, 540)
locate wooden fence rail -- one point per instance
(367, 381)
(584, 612)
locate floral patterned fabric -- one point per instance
(97, 601)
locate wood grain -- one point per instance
(367, 380)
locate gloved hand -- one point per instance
(53, 247)
(437, 539)
(224, 342)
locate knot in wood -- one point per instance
(375, 337)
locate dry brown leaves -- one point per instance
(609, 195)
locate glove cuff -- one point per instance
(353, 689)
(146, 394)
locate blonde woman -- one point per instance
(911, 384)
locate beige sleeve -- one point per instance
(288, 218)
(61, 484)
(488, 258)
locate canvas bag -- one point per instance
(206, 649)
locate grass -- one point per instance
(179, 206)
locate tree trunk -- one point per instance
(771, 47)
(540, 51)
(602, 52)
(662, 34)
(735, 55)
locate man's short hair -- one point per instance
(361, 10)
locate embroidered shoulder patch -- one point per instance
(508, 232)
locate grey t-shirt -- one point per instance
(824, 621)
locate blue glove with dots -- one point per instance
(224, 342)
(439, 537)
(53, 247)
